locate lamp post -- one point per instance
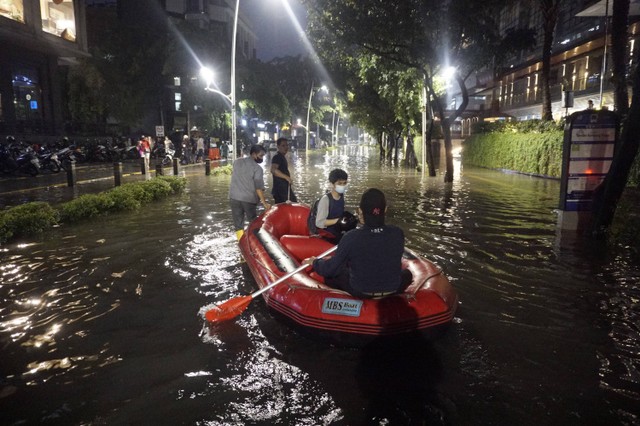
(309, 110)
(207, 74)
(234, 118)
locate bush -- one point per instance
(34, 218)
(178, 184)
(528, 126)
(85, 206)
(224, 170)
(157, 188)
(534, 153)
(27, 219)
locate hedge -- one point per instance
(34, 218)
(533, 153)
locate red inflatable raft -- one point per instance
(277, 241)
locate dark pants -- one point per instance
(282, 195)
(342, 282)
(240, 209)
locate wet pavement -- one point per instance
(91, 178)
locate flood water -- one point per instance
(101, 323)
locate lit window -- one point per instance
(178, 106)
(26, 91)
(59, 18)
(176, 81)
(12, 9)
(178, 96)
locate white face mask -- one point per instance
(341, 188)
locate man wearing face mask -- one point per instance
(247, 188)
(331, 207)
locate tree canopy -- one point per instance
(378, 41)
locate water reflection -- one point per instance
(112, 310)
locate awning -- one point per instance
(598, 9)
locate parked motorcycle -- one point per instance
(49, 160)
(168, 156)
(7, 162)
(28, 162)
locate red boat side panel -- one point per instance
(304, 246)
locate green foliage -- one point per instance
(27, 219)
(534, 153)
(224, 170)
(634, 173)
(178, 184)
(34, 218)
(528, 126)
(625, 229)
(85, 206)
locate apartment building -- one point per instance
(580, 64)
(39, 39)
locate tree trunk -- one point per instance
(427, 142)
(549, 9)
(606, 200)
(410, 159)
(397, 142)
(381, 144)
(619, 42)
(391, 137)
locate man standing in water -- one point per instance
(281, 177)
(247, 188)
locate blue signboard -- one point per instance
(33, 104)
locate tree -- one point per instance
(425, 36)
(619, 42)
(549, 10)
(261, 92)
(606, 199)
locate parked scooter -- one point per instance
(49, 160)
(28, 162)
(7, 162)
(168, 155)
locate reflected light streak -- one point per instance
(305, 41)
(184, 43)
(198, 374)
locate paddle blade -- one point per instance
(229, 309)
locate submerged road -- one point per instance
(101, 322)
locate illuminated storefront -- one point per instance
(39, 39)
(58, 17)
(12, 9)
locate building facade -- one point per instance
(216, 18)
(580, 66)
(39, 39)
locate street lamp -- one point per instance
(233, 82)
(207, 75)
(324, 88)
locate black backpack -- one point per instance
(311, 219)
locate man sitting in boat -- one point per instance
(367, 263)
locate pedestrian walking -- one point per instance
(144, 149)
(247, 188)
(224, 150)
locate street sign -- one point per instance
(159, 131)
(589, 143)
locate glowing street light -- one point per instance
(233, 82)
(207, 76)
(323, 88)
